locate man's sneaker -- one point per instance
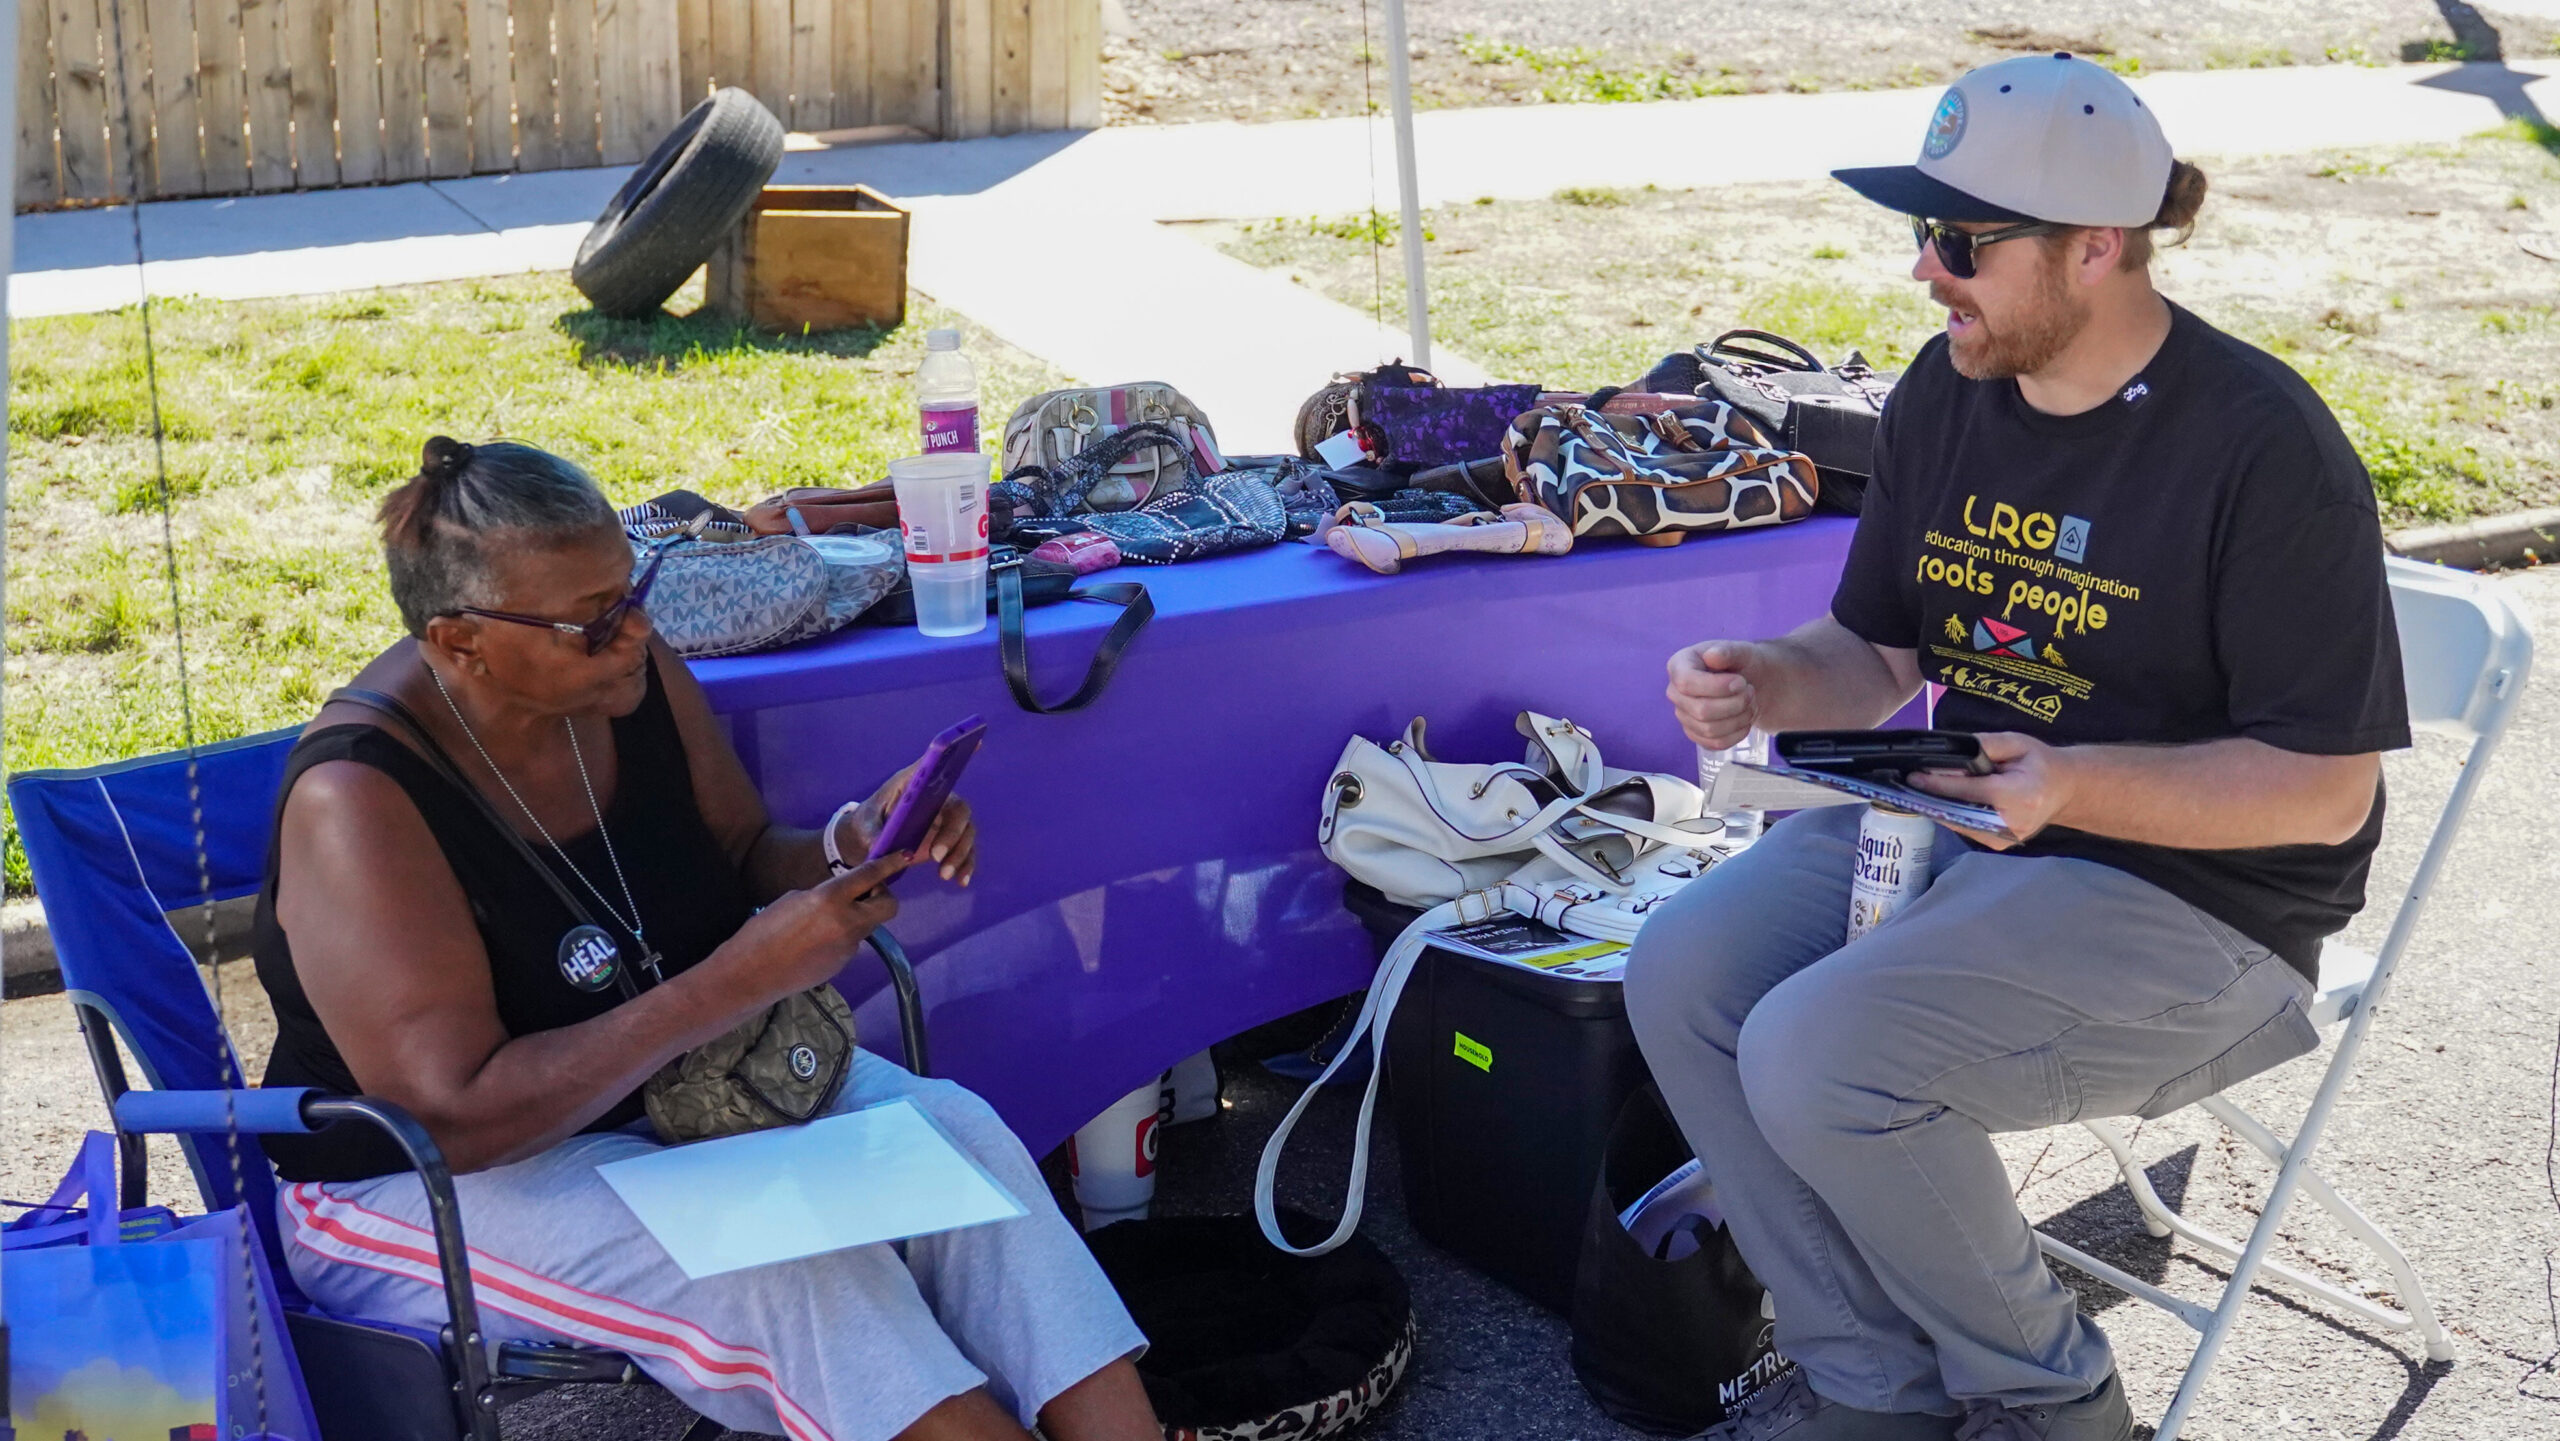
(1788, 1410)
(2102, 1415)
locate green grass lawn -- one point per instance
(288, 419)
(2393, 279)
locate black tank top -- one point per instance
(691, 899)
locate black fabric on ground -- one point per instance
(1238, 1330)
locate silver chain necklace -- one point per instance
(649, 958)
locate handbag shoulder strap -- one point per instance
(1792, 356)
(1385, 990)
(405, 721)
(1137, 608)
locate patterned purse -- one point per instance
(1656, 477)
(1187, 517)
(728, 599)
(1051, 429)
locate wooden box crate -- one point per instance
(816, 257)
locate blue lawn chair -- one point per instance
(113, 849)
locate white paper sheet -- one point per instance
(880, 1174)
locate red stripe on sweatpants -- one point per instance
(550, 1310)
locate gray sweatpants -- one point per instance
(1842, 1097)
(846, 1346)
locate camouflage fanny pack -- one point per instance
(777, 1069)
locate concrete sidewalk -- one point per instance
(1051, 240)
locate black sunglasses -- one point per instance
(1956, 247)
(597, 633)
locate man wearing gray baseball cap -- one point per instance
(2145, 567)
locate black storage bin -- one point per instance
(1504, 1084)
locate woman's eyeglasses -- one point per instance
(597, 633)
(1956, 247)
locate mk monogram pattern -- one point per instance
(1706, 467)
(725, 599)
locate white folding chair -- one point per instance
(2465, 653)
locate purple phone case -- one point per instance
(944, 759)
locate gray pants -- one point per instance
(1843, 1097)
(845, 1346)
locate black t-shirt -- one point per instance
(2197, 558)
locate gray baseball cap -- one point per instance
(2041, 137)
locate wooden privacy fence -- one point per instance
(235, 96)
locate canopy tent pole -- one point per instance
(8, 266)
(1417, 299)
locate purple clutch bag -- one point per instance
(1414, 426)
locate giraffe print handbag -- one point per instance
(1656, 477)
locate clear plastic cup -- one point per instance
(942, 513)
(950, 599)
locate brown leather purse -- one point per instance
(824, 507)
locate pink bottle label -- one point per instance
(955, 428)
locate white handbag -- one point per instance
(1424, 830)
(1559, 836)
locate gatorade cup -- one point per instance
(942, 510)
(1112, 1158)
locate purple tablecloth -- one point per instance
(1149, 881)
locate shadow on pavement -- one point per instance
(2485, 72)
(2422, 1374)
(2108, 1226)
(665, 342)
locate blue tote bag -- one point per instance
(136, 1324)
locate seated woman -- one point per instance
(412, 954)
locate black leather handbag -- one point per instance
(1827, 413)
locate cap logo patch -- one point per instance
(1946, 127)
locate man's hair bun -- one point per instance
(2183, 198)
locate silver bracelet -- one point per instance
(836, 863)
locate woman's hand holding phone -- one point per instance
(951, 845)
(805, 936)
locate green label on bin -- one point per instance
(1474, 1052)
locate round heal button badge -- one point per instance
(589, 959)
(804, 1063)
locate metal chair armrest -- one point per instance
(465, 1346)
(902, 980)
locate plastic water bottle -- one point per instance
(1112, 1158)
(947, 394)
(1740, 827)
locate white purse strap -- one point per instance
(1384, 991)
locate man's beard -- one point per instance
(2028, 342)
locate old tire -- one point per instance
(678, 205)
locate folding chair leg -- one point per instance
(2155, 1212)
(703, 1428)
(2421, 1316)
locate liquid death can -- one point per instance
(1892, 866)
